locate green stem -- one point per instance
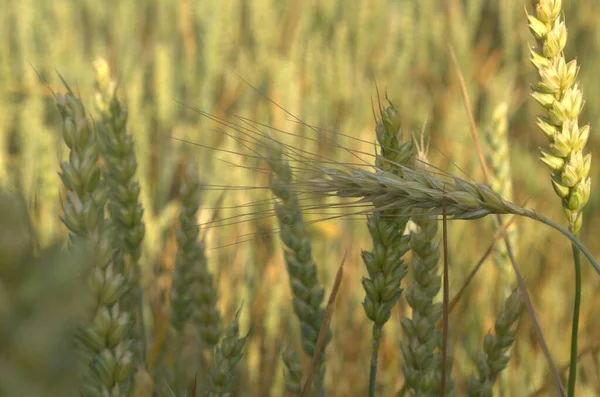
(374, 359)
(575, 329)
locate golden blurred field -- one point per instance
(319, 60)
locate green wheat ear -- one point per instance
(228, 354)
(422, 349)
(494, 357)
(384, 263)
(194, 296)
(193, 292)
(308, 295)
(106, 339)
(124, 208)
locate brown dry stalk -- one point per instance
(314, 367)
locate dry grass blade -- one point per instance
(323, 330)
(519, 277)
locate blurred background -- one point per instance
(318, 59)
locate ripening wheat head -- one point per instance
(334, 189)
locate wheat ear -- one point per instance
(421, 350)
(106, 340)
(494, 357)
(498, 159)
(194, 296)
(558, 92)
(308, 295)
(384, 263)
(193, 292)
(228, 354)
(125, 211)
(464, 200)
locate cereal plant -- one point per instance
(560, 94)
(177, 199)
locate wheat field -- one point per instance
(318, 198)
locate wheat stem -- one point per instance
(575, 326)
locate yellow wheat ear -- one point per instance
(559, 93)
